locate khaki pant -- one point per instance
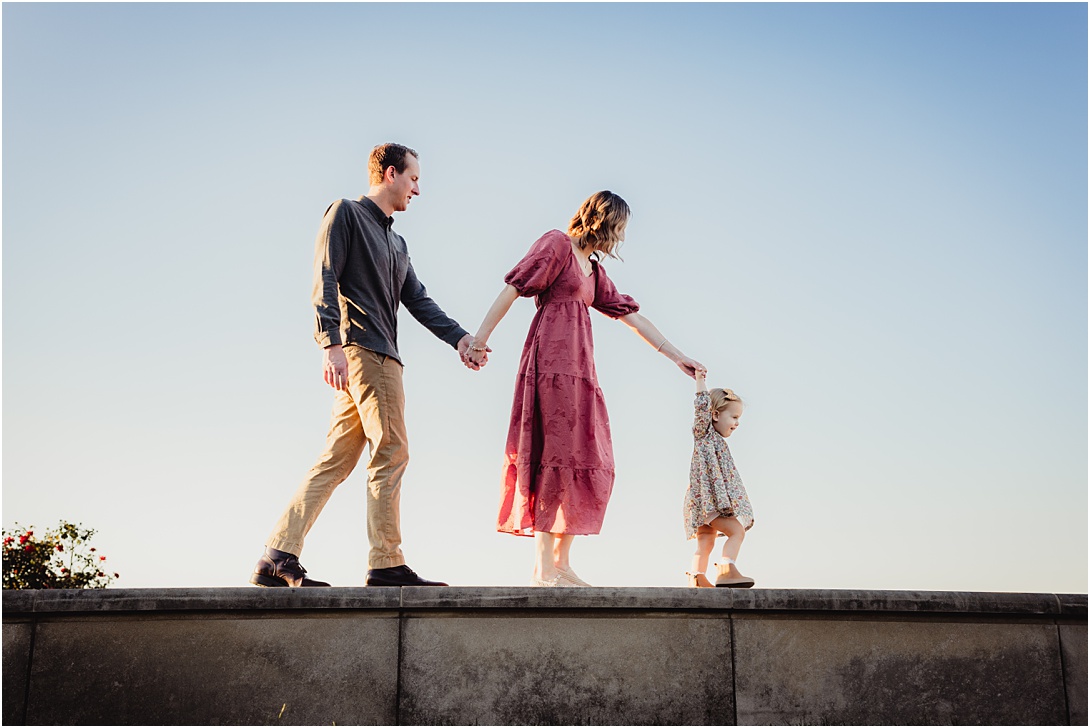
(371, 412)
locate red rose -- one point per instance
(116, 575)
(101, 558)
(60, 547)
(28, 547)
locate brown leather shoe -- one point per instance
(279, 568)
(398, 576)
(698, 580)
(729, 576)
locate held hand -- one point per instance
(463, 352)
(701, 386)
(467, 359)
(691, 366)
(473, 355)
(477, 359)
(335, 367)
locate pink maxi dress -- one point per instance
(558, 473)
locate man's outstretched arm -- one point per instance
(414, 296)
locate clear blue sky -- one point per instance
(870, 220)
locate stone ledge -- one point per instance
(852, 600)
(61, 601)
(524, 656)
(71, 601)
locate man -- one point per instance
(362, 273)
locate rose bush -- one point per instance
(61, 559)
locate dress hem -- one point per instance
(530, 532)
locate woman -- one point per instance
(559, 471)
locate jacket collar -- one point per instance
(381, 217)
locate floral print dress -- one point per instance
(715, 488)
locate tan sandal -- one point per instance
(727, 575)
(698, 580)
(545, 582)
(567, 577)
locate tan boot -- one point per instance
(698, 580)
(728, 575)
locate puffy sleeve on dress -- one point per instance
(542, 264)
(702, 419)
(607, 299)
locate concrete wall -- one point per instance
(501, 656)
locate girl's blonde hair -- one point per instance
(722, 397)
(599, 222)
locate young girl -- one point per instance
(716, 501)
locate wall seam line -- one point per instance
(1063, 668)
(29, 669)
(733, 669)
(397, 686)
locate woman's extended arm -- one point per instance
(478, 350)
(650, 333)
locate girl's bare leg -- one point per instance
(735, 535)
(705, 542)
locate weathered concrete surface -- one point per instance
(98, 601)
(1073, 646)
(318, 670)
(878, 672)
(521, 655)
(598, 597)
(521, 669)
(912, 602)
(17, 636)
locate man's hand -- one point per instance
(473, 359)
(335, 367)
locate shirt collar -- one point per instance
(381, 217)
